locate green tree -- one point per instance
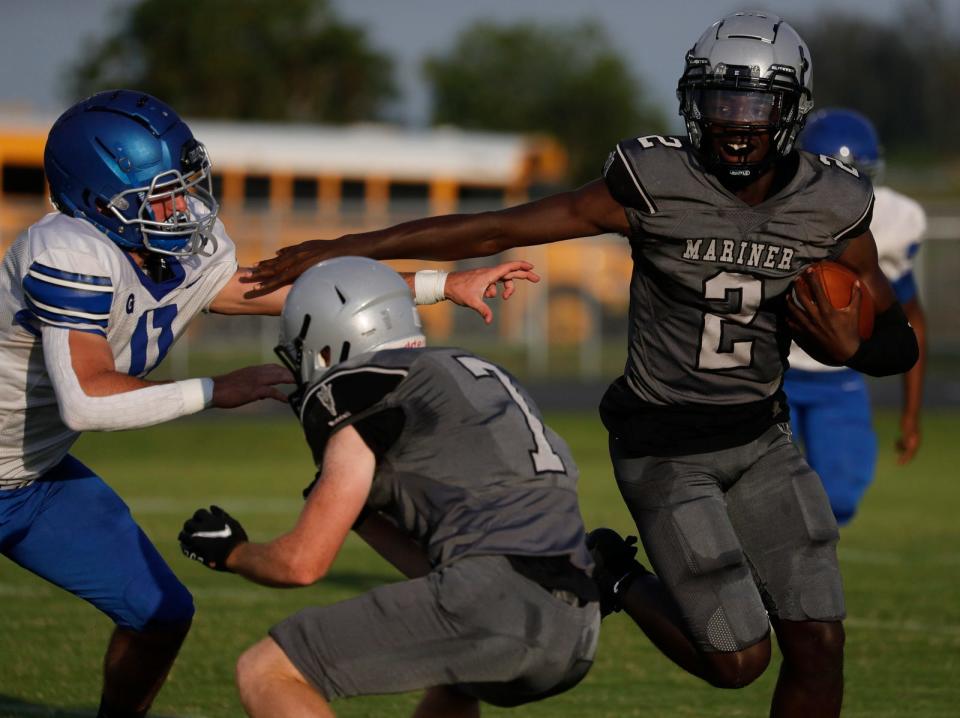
(564, 80)
(246, 59)
(903, 74)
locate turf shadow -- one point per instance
(11, 707)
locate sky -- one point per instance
(40, 39)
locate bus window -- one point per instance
(473, 198)
(217, 181)
(353, 194)
(256, 191)
(23, 180)
(305, 193)
(409, 197)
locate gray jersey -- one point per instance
(465, 463)
(710, 272)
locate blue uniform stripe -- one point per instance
(905, 288)
(55, 317)
(70, 298)
(25, 319)
(71, 276)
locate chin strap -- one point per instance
(156, 267)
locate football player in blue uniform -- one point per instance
(722, 224)
(93, 297)
(829, 402)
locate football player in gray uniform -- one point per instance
(443, 464)
(722, 223)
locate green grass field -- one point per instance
(900, 559)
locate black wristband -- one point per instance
(891, 349)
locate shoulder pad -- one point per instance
(343, 397)
(842, 194)
(69, 287)
(628, 167)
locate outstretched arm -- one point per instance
(93, 396)
(584, 212)
(470, 287)
(467, 288)
(231, 299)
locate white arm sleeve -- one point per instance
(127, 410)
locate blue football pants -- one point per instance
(73, 530)
(830, 414)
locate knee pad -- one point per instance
(707, 538)
(718, 590)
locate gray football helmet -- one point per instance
(341, 308)
(749, 73)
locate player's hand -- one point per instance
(909, 440)
(249, 384)
(469, 288)
(270, 274)
(810, 315)
(210, 536)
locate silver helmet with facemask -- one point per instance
(745, 93)
(341, 308)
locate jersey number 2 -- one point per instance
(714, 355)
(544, 457)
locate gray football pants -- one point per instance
(475, 624)
(735, 534)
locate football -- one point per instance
(837, 280)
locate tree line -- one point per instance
(299, 61)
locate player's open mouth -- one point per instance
(736, 149)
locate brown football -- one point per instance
(837, 280)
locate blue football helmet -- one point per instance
(846, 135)
(125, 162)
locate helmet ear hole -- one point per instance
(98, 203)
(356, 306)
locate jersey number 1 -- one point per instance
(161, 322)
(544, 457)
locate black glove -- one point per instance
(210, 536)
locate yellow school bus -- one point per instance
(284, 183)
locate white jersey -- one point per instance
(898, 226)
(64, 272)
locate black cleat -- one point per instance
(616, 568)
